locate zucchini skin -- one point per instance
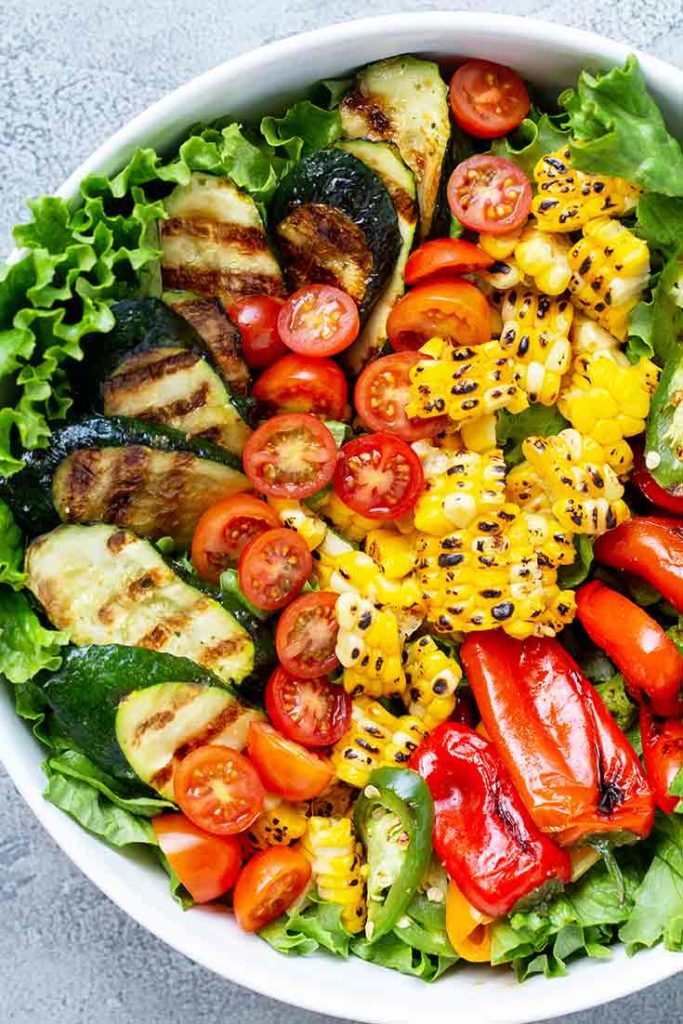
(220, 336)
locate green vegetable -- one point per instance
(340, 431)
(26, 647)
(11, 550)
(232, 591)
(664, 434)
(513, 429)
(657, 914)
(306, 929)
(390, 951)
(302, 130)
(676, 789)
(536, 135)
(659, 220)
(619, 705)
(618, 129)
(656, 327)
(423, 926)
(176, 888)
(574, 574)
(394, 817)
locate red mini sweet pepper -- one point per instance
(483, 834)
(576, 772)
(663, 753)
(650, 489)
(648, 659)
(649, 547)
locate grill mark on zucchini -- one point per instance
(250, 240)
(219, 334)
(146, 366)
(321, 244)
(219, 282)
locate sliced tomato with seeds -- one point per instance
(286, 768)
(452, 255)
(224, 530)
(488, 100)
(218, 789)
(306, 635)
(382, 393)
(290, 456)
(206, 864)
(298, 383)
(442, 307)
(273, 568)
(489, 193)
(269, 883)
(378, 476)
(312, 712)
(319, 320)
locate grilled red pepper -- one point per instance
(648, 659)
(650, 489)
(663, 753)
(651, 548)
(482, 832)
(576, 772)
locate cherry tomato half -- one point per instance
(489, 193)
(285, 768)
(650, 489)
(207, 865)
(273, 568)
(256, 317)
(303, 384)
(455, 255)
(378, 476)
(218, 789)
(269, 883)
(319, 320)
(488, 100)
(312, 712)
(225, 529)
(290, 456)
(306, 635)
(444, 307)
(382, 393)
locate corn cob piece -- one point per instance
(586, 337)
(479, 435)
(310, 527)
(544, 257)
(464, 382)
(432, 679)
(349, 523)
(523, 487)
(394, 552)
(568, 198)
(607, 399)
(500, 247)
(585, 492)
(335, 802)
(472, 484)
(503, 274)
(536, 335)
(553, 545)
(280, 824)
(339, 874)
(369, 648)
(610, 269)
(375, 738)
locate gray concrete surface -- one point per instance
(71, 71)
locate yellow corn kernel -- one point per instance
(544, 257)
(536, 336)
(608, 401)
(336, 802)
(567, 198)
(553, 545)
(479, 435)
(349, 523)
(394, 552)
(432, 679)
(502, 274)
(499, 247)
(471, 484)
(280, 824)
(338, 871)
(375, 738)
(587, 337)
(369, 648)
(524, 488)
(295, 515)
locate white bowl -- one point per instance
(551, 56)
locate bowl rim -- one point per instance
(109, 157)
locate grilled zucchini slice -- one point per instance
(385, 160)
(106, 585)
(213, 242)
(220, 335)
(336, 224)
(404, 100)
(146, 477)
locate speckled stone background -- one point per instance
(72, 71)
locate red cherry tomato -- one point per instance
(488, 100)
(319, 320)
(303, 384)
(207, 865)
(489, 193)
(312, 712)
(454, 255)
(287, 769)
(378, 476)
(218, 790)
(382, 393)
(225, 529)
(306, 635)
(256, 316)
(290, 456)
(443, 307)
(269, 883)
(650, 489)
(273, 568)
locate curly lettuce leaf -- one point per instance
(618, 129)
(316, 925)
(11, 550)
(659, 220)
(536, 135)
(513, 429)
(656, 326)
(303, 129)
(391, 952)
(622, 709)
(26, 647)
(657, 914)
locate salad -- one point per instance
(342, 516)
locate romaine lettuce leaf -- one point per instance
(657, 914)
(26, 647)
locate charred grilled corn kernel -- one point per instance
(404, 741)
(432, 679)
(536, 336)
(463, 382)
(567, 198)
(586, 336)
(280, 824)
(310, 527)
(610, 269)
(544, 257)
(500, 247)
(394, 552)
(503, 274)
(606, 400)
(585, 491)
(553, 545)
(523, 487)
(336, 802)
(336, 858)
(349, 523)
(472, 484)
(479, 435)
(369, 648)
(375, 738)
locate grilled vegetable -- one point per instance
(296, 516)
(524, 487)
(392, 551)
(220, 335)
(376, 739)
(651, 548)
(349, 523)
(147, 477)
(567, 199)
(336, 224)
(369, 648)
(664, 438)
(213, 242)
(544, 256)
(280, 824)
(471, 484)
(432, 679)
(536, 336)
(105, 585)
(339, 873)
(404, 100)
(399, 180)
